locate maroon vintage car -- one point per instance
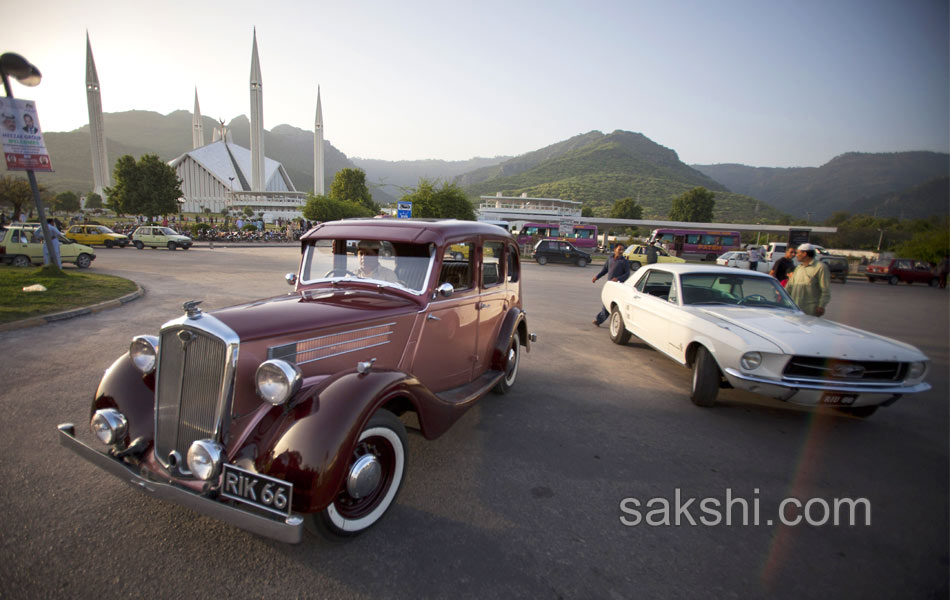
(291, 412)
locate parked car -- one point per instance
(97, 234)
(739, 259)
(558, 251)
(21, 247)
(896, 270)
(837, 266)
(160, 237)
(284, 413)
(741, 329)
(637, 255)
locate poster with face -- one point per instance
(23, 145)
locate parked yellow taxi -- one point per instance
(637, 253)
(97, 235)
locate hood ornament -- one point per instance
(191, 309)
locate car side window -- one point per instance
(457, 265)
(492, 265)
(514, 265)
(658, 283)
(75, 230)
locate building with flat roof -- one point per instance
(523, 208)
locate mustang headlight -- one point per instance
(750, 361)
(143, 350)
(204, 459)
(109, 425)
(916, 370)
(277, 381)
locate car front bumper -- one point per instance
(289, 530)
(811, 393)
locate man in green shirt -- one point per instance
(809, 285)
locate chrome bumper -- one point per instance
(832, 387)
(810, 393)
(290, 530)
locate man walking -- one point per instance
(616, 268)
(810, 283)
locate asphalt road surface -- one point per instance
(522, 497)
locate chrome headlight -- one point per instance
(205, 458)
(916, 370)
(277, 381)
(750, 361)
(109, 425)
(143, 351)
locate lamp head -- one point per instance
(20, 69)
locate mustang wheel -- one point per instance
(21, 261)
(138, 244)
(618, 331)
(542, 260)
(83, 261)
(705, 378)
(373, 478)
(512, 359)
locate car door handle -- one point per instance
(432, 318)
(482, 305)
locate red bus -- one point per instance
(704, 244)
(582, 236)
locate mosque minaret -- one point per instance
(97, 136)
(197, 129)
(318, 183)
(257, 122)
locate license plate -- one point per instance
(840, 399)
(267, 493)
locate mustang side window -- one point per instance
(658, 283)
(492, 253)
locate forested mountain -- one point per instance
(400, 175)
(854, 181)
(598, 169)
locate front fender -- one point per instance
(124, 388)
(514, 321)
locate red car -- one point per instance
(896, 270)
(287, 412)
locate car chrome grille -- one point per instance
(828, 369)
(189, 395)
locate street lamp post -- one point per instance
(27, 74)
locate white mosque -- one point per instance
(221, 175)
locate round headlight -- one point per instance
(916, 370)
(277, 381)
(750, 361)
(143, 350)
(204, 459)
(109, 425)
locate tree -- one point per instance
(321, 208)
(349, 185)
(587, 211)
(15, 192)
(148, 187)
(66, 201)
(695, 206)
(930, 246)
(626, 208)
(446, 202)
(248, 211)
(93, 200)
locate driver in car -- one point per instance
(368, 253)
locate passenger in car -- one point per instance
(368, 253)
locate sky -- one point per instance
(767, 83)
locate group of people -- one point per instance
(808, 283)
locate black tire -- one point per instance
(617, 328)
(384, 437)
(83, 261)
(512, 360)
(172, 246)
(109, 243)
(138, 244)
(711, 257)
(893, 280)
(22, 261)
(861, 412)
(185, 247)
(581, 262)
(705, 378)
(542, 260)
(844, 280)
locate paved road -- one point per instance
(522, 496)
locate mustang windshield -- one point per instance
(398, 264)
(738, 289)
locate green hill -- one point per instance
(598, 169)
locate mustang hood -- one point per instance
(797, 333)
(309, 311)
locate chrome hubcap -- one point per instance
(364, 477)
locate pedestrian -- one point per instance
(784, 265)
(616, 268)
(943, 270)
(651, 254)
(54, 236)
(809, 285)
(754, 258)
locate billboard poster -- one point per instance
(23, 146)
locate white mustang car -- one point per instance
(740, 329)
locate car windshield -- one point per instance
(738, 290)
(396, 264)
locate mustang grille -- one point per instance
(335, 344)
(192, 367)
(811, 367)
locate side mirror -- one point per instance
(291, 278)
(445, 290)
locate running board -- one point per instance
(471, 392)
